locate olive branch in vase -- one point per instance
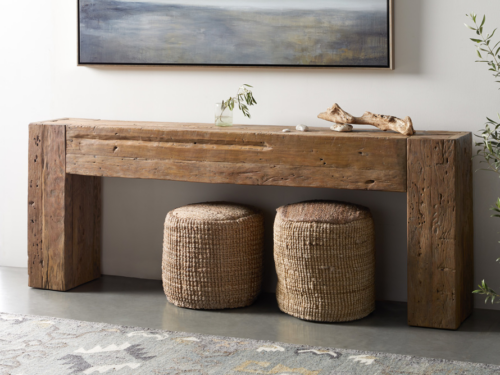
(243, 98)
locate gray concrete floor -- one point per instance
(141, 303)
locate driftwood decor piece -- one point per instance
(339, 116)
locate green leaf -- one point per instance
(475, 40)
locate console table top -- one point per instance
(244, 129)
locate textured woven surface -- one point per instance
(213, 211)
(332, 212)
(212, 261)
(35, 345)
(325, 271)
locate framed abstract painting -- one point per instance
(285, 33)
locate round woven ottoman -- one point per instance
(325, 260)
(212, 255)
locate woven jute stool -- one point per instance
(212, 255)
(325, 260)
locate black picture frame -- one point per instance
(388, 65)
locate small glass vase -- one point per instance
(223, 117)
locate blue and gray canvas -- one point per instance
(235, 32)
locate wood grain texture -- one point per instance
(55, 200)
(231, 173)
(465, 223)
(62, 211)
(85, 255)
(36, 270)
(259, 157)
(439, 231)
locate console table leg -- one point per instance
(64, 215)
(440, 231)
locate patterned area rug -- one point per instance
(39, 345)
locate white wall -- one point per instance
(436, 82)
(25, 94)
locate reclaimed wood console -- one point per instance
(67, 157)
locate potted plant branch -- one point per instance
(489, 144)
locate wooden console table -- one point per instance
(67, 157)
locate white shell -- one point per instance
(341, 127)
(286, 130)
(302, 128)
